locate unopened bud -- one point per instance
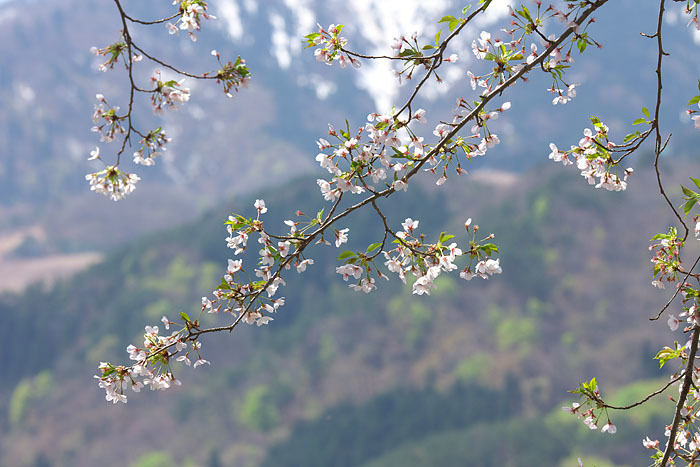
(468, 223)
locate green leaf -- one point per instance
(628, 137)
(645, 111)
(582, 46)
(489, 247)
(428, 47)
(638, 121)
(489, 56)
(453, 24)
(184, 316)
(373, 247)
(447, 19)
(437, 37)
(688, 192)
(688, 206)
(345, 255)
(696, 181)
(466, 9)
(694, 100)
(666, 354)
(444, 238)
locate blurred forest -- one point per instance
(473, 375)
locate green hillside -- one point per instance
(341, 378)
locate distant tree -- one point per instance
(382, 158)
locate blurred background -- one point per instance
(476, 374)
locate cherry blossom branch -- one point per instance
(158, 21)
(678, 289)
(687, 380)
(485, 99)
(659, 144)
(646, 399)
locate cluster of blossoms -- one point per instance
(666, 259)
(157, 351)
(413, 55)
(111, 181)
(151, 146)
(330, 46)
(107, 122)
(167, 94)
(232, 75)
(113, 53)
(593, 158)
(479, 131)
(593, 408)
(427, 261)
(686, 443)
(191, 14)
(383, 156)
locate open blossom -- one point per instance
(488, 267)
(673, 322)
(366, 285)
(112, 182)
(341, 236)
(610, 428)
(649, 444)
(260, 206)
(301, 267)
(409, 225)
(348, 270)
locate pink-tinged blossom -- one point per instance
(266, 257)
(341, 236)
(488, 268)
(201, 362)
(696, 121)
(348, 270)
(574, 409)
(452, 58)
(649, 444)
(533, 54)
(610, 428)
(328, 193)
(409, 225)
(419, 116)
(366, 285)
(94, 154)
(301, 267)
(400, 185)
(590, 423)
(234, 266)
(292, 226)
(673, 322)
(284, 248)
(441, 130)
(260, 206)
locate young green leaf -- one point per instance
(345, 255)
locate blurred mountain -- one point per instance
(266, 134)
